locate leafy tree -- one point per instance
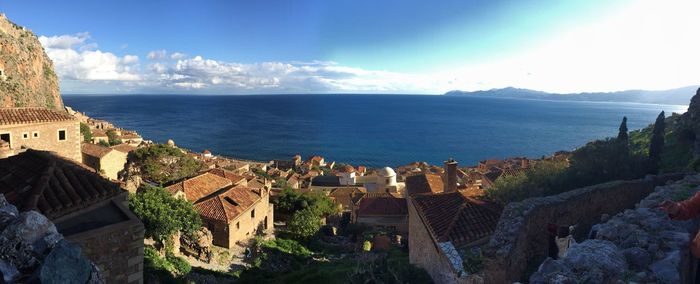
(543, 179)
(656, 145)
(162, 163)
(622, 135)
(113, 138)
(304, 224)
(163, 215)
(85, 132)
(104, 143)
(290, 201)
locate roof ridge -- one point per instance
(455, 216)
(40, 184)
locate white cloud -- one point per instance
(157, 54)
(76, 59)
(177, 55)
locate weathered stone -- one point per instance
(65, 264)
(29, 227)
(637, 258)
(666, 270)
(593, 255)
(8, 271)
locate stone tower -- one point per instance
(450, 176)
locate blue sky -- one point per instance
(241, 47)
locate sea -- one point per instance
(370, 130)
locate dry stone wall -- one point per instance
(519, 244)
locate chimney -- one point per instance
(450, 176)
(524, 163)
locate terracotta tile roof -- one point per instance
(54, 186)
(229, 204)
(126, 136)
(200, 186)
(98, 133)
(94, 150)
(234, 178)
(384, 205)
(255, 183)
(424, 183)
(124, 148)
(454, 217)
(346, 195)
(23, 115)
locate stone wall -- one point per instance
(245, 226)
(424, 252)
(113, 163)
(520, 242)
(399, 223)
(640, 245)
(47, 139)
(117, 249)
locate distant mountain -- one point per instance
(679, 96)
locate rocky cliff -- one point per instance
(27, 76)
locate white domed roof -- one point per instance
(386, 172)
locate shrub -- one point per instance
(304, 224)
(163, 215)
(162, 163)
(180, 265)
(86, 132)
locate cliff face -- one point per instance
(27, 76)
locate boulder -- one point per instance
(637, 257)
(666, 270)
(65, 264)
(596, 255)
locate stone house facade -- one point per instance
(382, 211)
(41, 129)
(106, 161)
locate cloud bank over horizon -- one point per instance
(646, 45)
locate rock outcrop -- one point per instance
(640, 245)
(27, 76)
(32, 251)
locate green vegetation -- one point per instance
(596, 162)
(163, 215)
(473, 261)
(169, 269)
(307, 210)
(677, 148)
(113, 138)
(85, 132)
(656, 145)
(104, 143)
(162, 163)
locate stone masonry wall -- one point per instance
(520, 242)
(640, 245)
(48, 138)
(116, 249)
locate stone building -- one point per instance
(99, 135)
(87, 209)
(40, 129)
(233, 212)
(347, 175)
(382, 211)
(443, 227)
(424, 183)
(345, 197)
(106, 161)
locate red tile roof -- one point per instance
(454, 217)
(384, 205)
(227, 174)
(24, 115)
(200, 186)
(54, 186)
(229, 204)
(424, 183)
(94, 150)
(124, 148)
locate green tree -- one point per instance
(290, 201)
(113, 138)
(104, 143)
(162, 163)
(622, 135)
(656, 145)
(86, 132)
(304, 224)
(163, 215)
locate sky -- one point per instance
(364, 46)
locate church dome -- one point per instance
(386, 172)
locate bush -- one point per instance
(163, 215)
(162, 163)
(180, 265)
(113, 138)
(287, 246)
(304, 224)
(86, 132)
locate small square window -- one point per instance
(25, 135)
(35, 134)
(61, 135)
(238, 225)
(252, 213)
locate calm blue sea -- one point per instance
(371, 130)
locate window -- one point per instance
(61, 135)
(6, 137)
(238, 225)
(35, 134)
(252, 213)
(25, 135)
(388, 181)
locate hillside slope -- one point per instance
(27, 77)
